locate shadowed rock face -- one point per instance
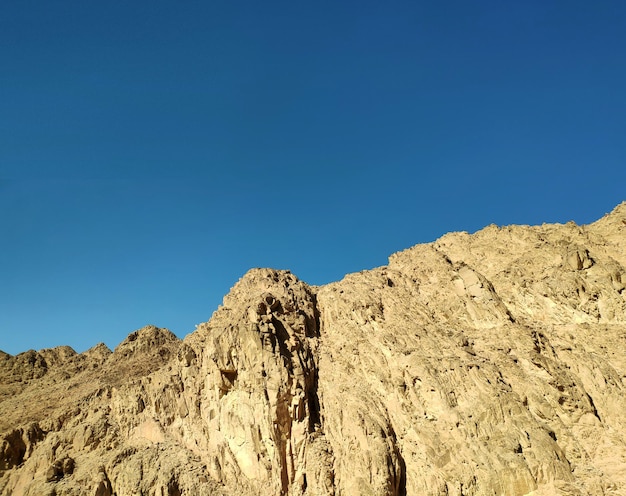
(482, 364)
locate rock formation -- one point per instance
(484, 364)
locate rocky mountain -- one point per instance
(483, 364)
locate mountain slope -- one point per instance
(491, 363)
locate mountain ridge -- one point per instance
(485, 363)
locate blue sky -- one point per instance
(152, 152)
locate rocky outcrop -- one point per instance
(490, 363)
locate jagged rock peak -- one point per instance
(145, 339)
(98, 352)
(57, 355)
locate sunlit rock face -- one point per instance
(484, 364)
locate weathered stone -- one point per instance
(479, 364)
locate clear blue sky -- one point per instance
(152, 152)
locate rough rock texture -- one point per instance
(484, 364)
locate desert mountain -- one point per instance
(483, 364)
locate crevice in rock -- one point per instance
(172, 488)
(594, 410)
(398, 472)
(402, 480)
(313, 331)
(282, 338)
(313, 402)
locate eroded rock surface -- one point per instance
(482, 364)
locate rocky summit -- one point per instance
(484, 364)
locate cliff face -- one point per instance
(481, 364)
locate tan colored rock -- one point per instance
(491, 363)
